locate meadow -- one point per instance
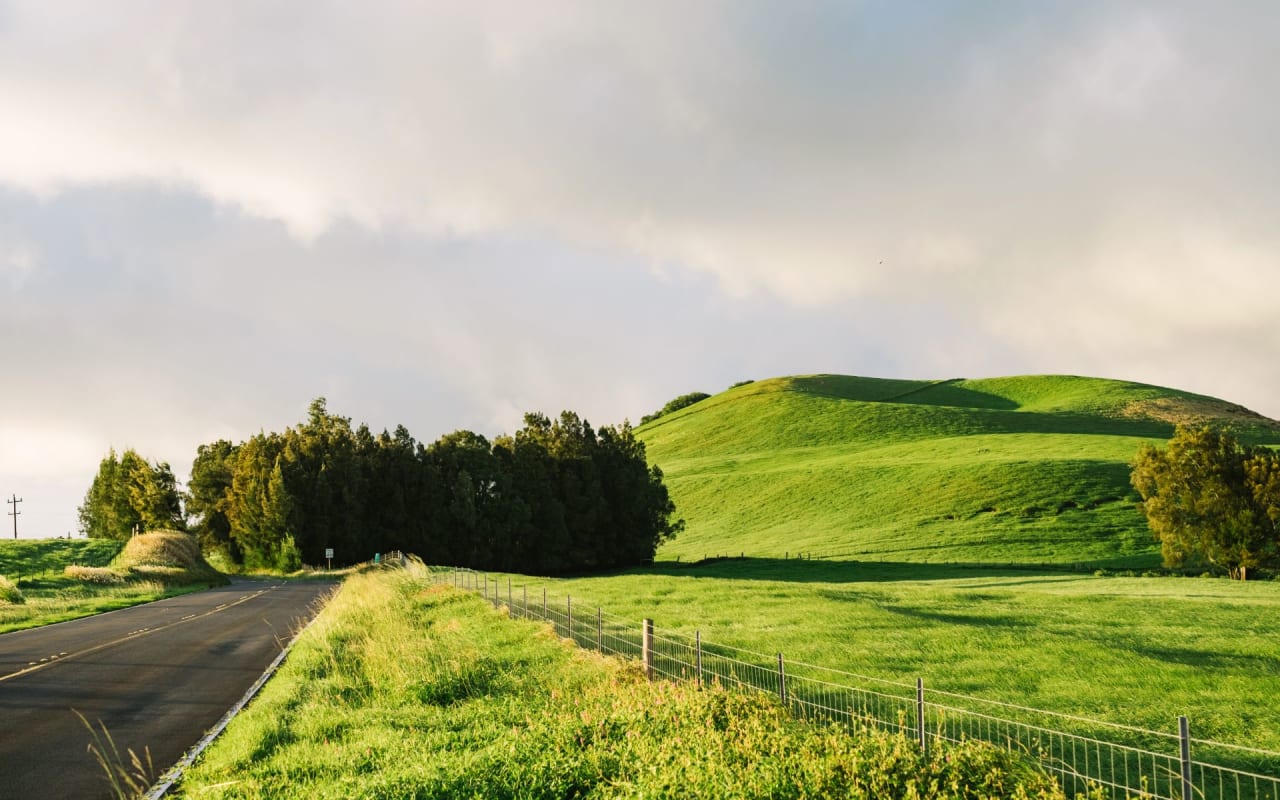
(1131, 651)
(404, 689)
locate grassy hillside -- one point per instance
(34, 558)
(1024, 469)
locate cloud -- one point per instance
(213, 212)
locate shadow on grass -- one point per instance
(830, 571)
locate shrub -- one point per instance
(683, 401)
(9, 593)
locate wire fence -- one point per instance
(1084, 754)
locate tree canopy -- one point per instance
(1210, 499)
(130, 493)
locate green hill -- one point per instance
(1030, 469)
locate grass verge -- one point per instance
(407, 690)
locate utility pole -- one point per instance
(14, 513)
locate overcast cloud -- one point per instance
(445, 214)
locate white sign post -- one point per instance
(328, 556)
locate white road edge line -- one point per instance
(174, 773)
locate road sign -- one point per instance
(328, 552)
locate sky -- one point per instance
(446, 214)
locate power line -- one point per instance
(14, 513)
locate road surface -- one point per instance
(158, 676)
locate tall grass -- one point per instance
(403, 689)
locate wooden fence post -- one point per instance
(1184, 752)
(782, 681)
(646, 648)
(924, 740)
(697, 641)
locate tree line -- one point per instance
(557, 496)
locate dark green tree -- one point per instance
(129, 493)
(1210, 499)
(208, 497)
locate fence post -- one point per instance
(568, 608)
(524, 604)
(544, 602)
(782, 681)
(924, 740)
(697, 641)
(646, 648)
(599, 630)
(1184, 739)
(508, 592)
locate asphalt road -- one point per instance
(158, 676)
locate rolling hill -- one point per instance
(1030, 469)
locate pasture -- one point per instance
(1132, 651)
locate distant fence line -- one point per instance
(1080, 752)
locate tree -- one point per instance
(208, 497)
(130, 493)
(1210, 499)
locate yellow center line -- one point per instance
(64, 657)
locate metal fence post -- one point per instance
(782, 681)
(524, 604)
(697, 642)
(508, 592)
(599, 629)
(568, 607)
(924, 739)
(1184, 751)
(646, 648)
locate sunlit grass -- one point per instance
(1134, 651)
(1026, 470)
(400, 689)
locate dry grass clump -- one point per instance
(167, 556)
(9, 593)
(162, 549)
(98, 575)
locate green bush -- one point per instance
(683, 401)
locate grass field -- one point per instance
(1133, 651)
(61, 579)
(1028, 470)
(400, 689)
